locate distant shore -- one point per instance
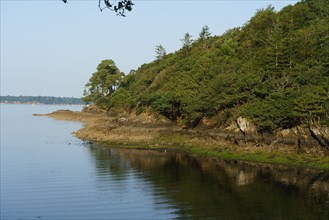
(37, 100)
(33, 103)
(143, 132)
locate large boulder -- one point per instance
(245, 126)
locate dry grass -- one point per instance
(76, 116)
(103, 128)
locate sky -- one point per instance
(49, 48)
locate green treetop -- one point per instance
(187, 40)
(102, 84)
(160, 52)
(205, 33)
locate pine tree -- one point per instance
(160, 52)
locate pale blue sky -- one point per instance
(52, 48)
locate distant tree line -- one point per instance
(274, 70)
(49, 100)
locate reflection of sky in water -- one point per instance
(128, 187)
(47, 173)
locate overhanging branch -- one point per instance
(120, 7)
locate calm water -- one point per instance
(46, 173)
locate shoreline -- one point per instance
(145, 133)
(39, 103)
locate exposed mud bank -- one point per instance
(146, 132)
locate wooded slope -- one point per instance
(274, 71)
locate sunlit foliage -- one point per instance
(274, 70)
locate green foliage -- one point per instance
(166, 105)
(187, 40)
(276, 111)
(273, 70)
(205, 33)
(121, 100)
(102, 84)
(309, 105)
(187, 43)
(160, 52)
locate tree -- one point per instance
(160, 52)
(120, 7)
(121, 100)
(187, 43)
(187, 40)
(204, 34)
(274, 70)
(310, 104)
(102, 84)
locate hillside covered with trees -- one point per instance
(274, 71)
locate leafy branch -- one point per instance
(119, 7)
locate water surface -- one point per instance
(47, 173)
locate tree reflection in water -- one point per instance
(197, 188)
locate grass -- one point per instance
(298, 160)
(291, 160)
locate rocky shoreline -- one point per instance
(238, 141)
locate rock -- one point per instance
(320, 134)
(233, 127)
(93, 109)
(245, 126)
(285, 133)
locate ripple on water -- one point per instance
(49, 174)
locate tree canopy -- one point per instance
(274, 70)
(102, 84)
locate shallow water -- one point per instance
(47, 173)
